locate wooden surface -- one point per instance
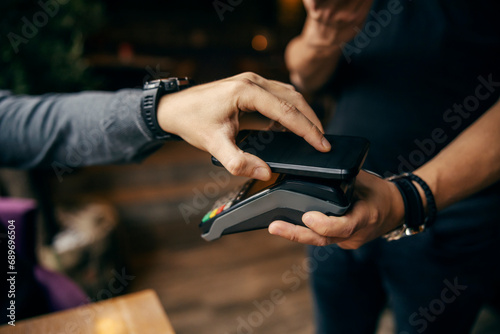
(138, 313)
(227, 285)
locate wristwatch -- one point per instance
(151, 93)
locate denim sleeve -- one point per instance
(73, 130)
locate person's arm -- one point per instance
(468, 164)
(312, 56)
(71, 130)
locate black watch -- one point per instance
(151, 93)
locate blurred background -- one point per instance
(111, 44)
(142, 220)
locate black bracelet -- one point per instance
(431, 202)
(413, 206)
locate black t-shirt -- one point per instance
(417, 74)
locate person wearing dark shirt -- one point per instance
(421, 81)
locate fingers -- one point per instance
(288, 93)
(299, 234)
(330, 226)
(323, 230)
(284, 111)
(238, 162)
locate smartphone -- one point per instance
(287, 153)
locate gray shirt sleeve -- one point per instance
(72, 130)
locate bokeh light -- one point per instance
(259, 42)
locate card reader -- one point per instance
(303, 180)
(285, 197)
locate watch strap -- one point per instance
(151, 94)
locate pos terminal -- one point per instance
(303, 180)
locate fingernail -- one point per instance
(307, 219)
(274, 229)
(261, 173)
(326, 144)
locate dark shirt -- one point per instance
(414, 79)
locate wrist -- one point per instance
(169, 109)
(397, 208)
(431, 178)
(152, 94)
(320, 35)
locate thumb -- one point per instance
(238, 162)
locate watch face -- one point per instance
(168, 85)
(151, 85)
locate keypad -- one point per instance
(226, 202)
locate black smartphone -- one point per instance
(287, 153)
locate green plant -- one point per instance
(42, 44)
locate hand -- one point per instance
(206, 116)
(377, 209)
(334, 21)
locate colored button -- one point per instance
(213, 213)
(219, 210)
(206, 217)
